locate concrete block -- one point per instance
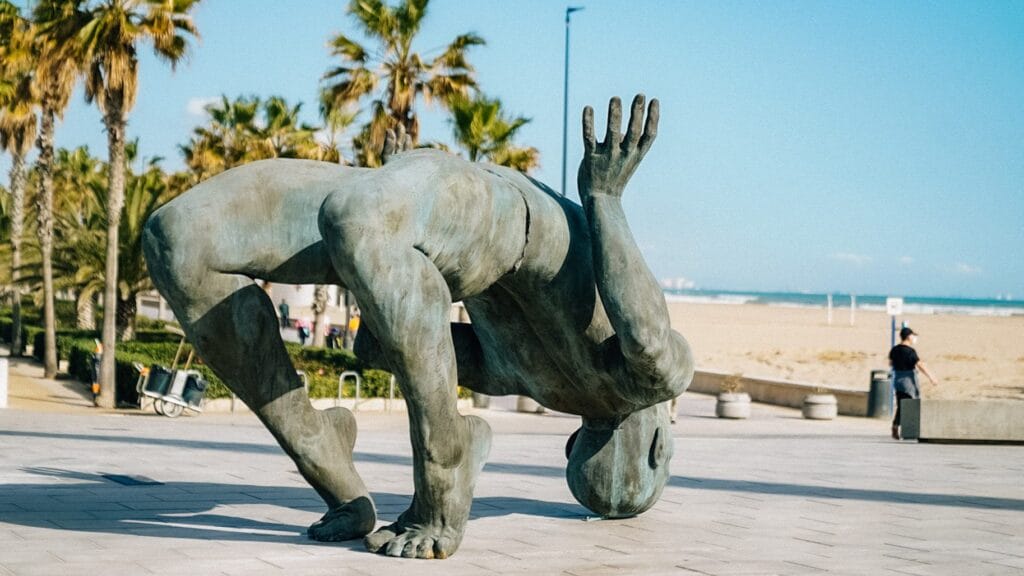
(962, 420)
(781, 392)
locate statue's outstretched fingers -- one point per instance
(613, 136)
(390, 142)
(588, 130)
(651, 126)
(407, 143)
(636, 119)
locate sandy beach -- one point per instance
(972, 356)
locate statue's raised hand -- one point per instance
(395, 143)
(607, 166)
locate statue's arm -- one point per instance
(653, 354)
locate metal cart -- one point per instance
(170, 390)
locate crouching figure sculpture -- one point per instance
(563, 310)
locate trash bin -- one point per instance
(195, 389)
(158, 381)
(878, 397)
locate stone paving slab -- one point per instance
(775, 494)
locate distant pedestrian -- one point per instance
(905, 363)
(283, 308)
(332, 337)
(303, 330)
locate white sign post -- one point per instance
(894, 306)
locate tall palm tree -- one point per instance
(17, 131)
(483, 129)
(392, 75)
(55, 69)
(106, 35)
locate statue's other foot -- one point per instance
(433, 526)
(352, 520)
(327, 465)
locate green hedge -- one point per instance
(322, 366)
(65, 337)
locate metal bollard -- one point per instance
(879, 396)
(391, 392)
(3, 382)
(341, 386)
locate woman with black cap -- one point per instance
(904, 361)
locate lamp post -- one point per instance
(565, 93)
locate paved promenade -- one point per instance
(775, 494)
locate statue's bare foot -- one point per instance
(331, 472)
(352, 520)
(433, 525)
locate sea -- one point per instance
(913, 305)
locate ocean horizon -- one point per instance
(912, 305)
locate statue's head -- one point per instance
(618, 467)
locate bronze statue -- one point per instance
(563, 310)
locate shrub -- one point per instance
(322, 366)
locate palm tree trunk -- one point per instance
(319, 310)
(115, 122)
(17, 229)
(44, 204)
(126, 312)
(85, 307)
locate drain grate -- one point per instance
(131, 480)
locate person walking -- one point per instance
(283, 308)
(905, 363)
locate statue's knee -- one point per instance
(175, 254)
(160, 244)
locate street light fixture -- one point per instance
(565, 93)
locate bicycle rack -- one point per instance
(391, 393)
(341, 387)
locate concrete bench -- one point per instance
(962, 420)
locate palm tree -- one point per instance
(247, 129)
(80, 256)
(106, 35)
(393, 76)
(483, 129)
(336, 121)
(282, 135)
(226, 141)
(54, 69)
(80, 219)
(17, 130)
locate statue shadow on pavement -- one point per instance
(119, 504)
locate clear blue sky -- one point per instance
(874, 147)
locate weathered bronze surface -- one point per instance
(563, 310)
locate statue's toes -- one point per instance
(420, 542)
(374, 542)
